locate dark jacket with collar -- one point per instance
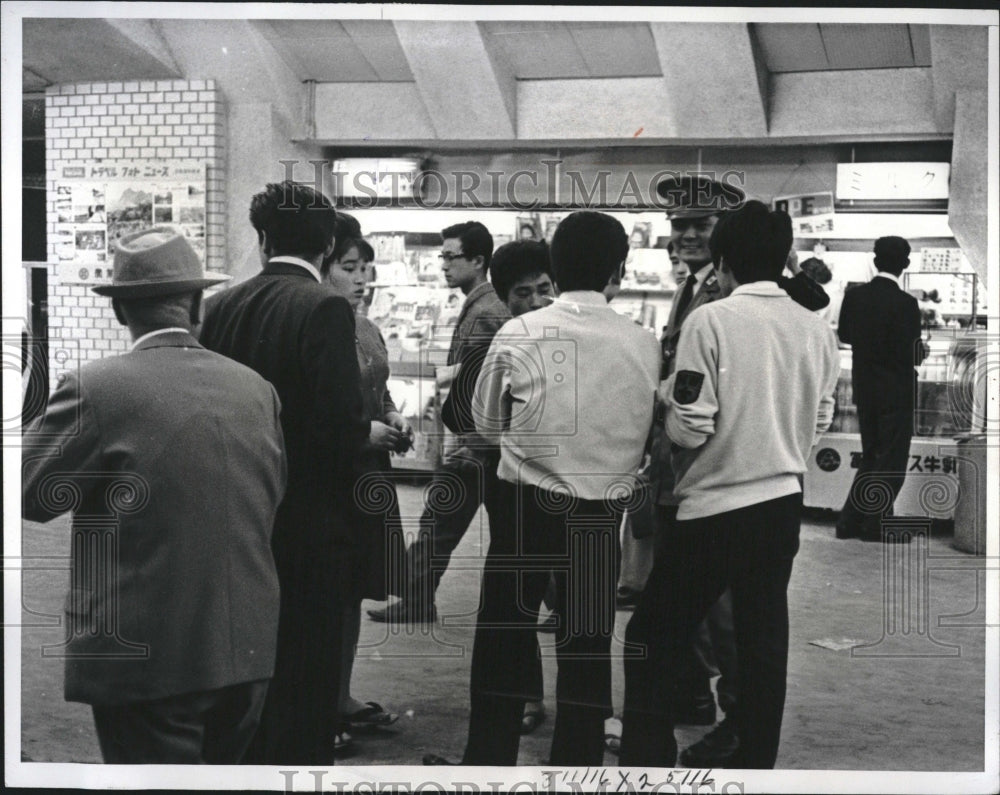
(482, 315)
(881, 323)
(299, 335)
(171, 458)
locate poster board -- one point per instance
(98, 204)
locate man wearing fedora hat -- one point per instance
(694, 204)
(172, 459)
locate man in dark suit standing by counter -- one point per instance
(299, 335)
(171, 458)
(881, 323)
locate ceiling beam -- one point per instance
(467, 87)
(959, 59)
(712, 76)
(968, 199)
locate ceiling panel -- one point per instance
(378, 42)
(617, 50)
(318, 50)
(537, 50)
(61, 51)
(867, 46)
(920, 40)
(789, 47)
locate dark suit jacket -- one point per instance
(881, 323)
(172, 459)
(299, 335)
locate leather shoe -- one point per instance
(845, 531)
(696, 710)
(401, 613)
(715, 749)
(431, 760)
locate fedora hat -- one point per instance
(698, 196)
(153, 262)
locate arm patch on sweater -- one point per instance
(687, 386)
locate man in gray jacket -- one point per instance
(172, 459)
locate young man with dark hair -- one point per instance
(881, 323)
(521, 274)
(570, 446)
(750, 396)
(465, 259)
(695, 206)
(291, 329)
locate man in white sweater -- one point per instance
(750, 396)
(567, 394)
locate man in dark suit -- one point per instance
(171, 458)
(881, 323)
(299, 335)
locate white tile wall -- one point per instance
(86, 122)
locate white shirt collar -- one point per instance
(148, 334)
(891, 276)
(765, 287)
(301, 263)
(702, 274)
(574, 299)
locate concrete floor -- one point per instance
(915, 703)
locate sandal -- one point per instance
(613, 735)
(369, 717)
(534, 716)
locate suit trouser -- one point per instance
(537, 534)
(453, 499)
(885, 451)
(713, 650)
(211, 727)
(301, 714)
(750, 551)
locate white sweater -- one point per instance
(568, 392)
(751, 394)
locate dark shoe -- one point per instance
(715, 749)
(433, 759)
(627, 598)
(845, 531)
(401, 613)
(696, 711)
(369, 718)
(550, 624)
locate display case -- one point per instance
(416, 312)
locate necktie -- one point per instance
(686, 295)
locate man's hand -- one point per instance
(383, 437)
(395, 420)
